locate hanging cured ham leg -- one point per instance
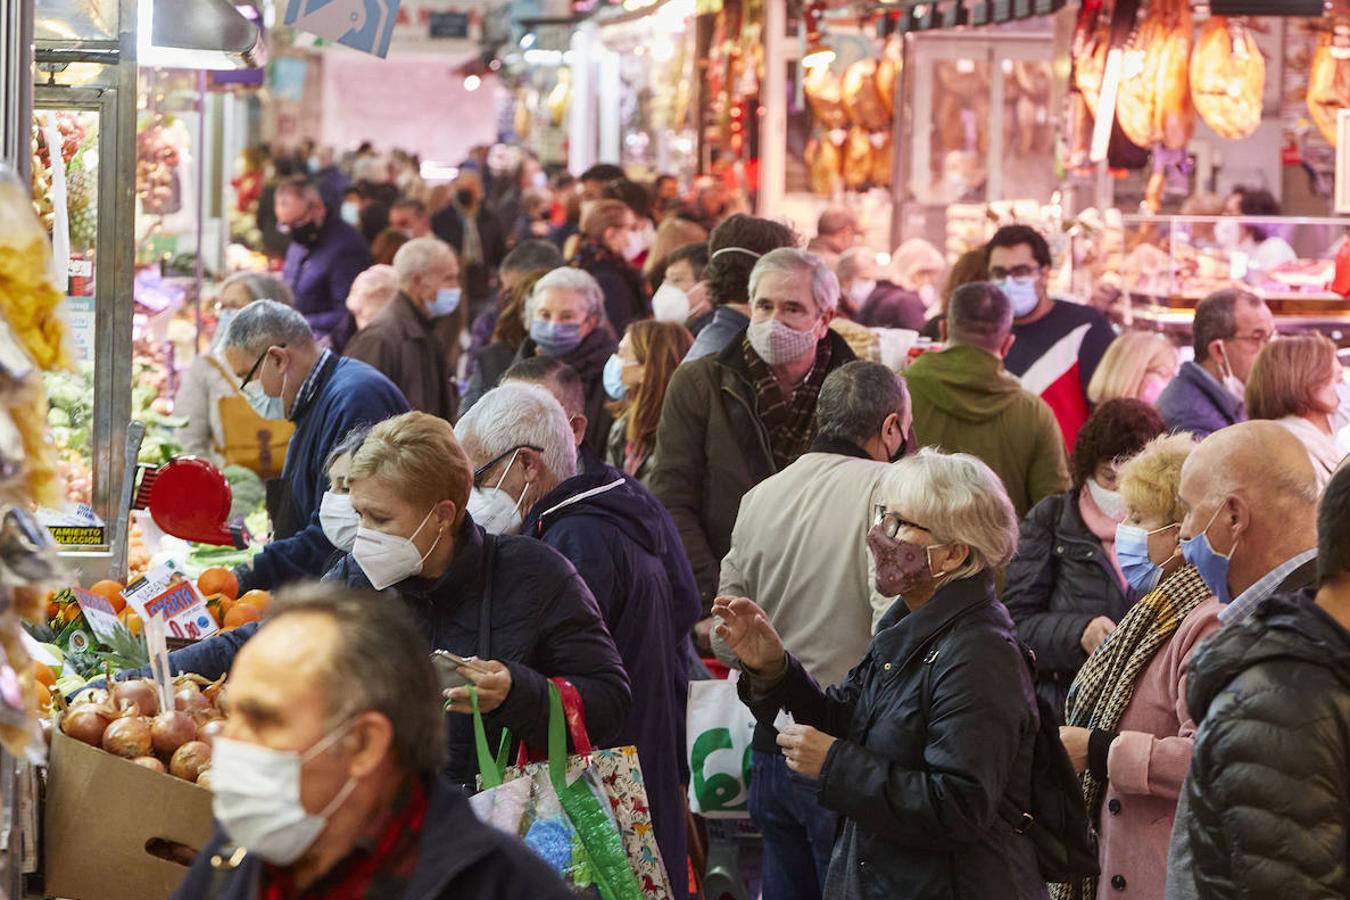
(1154, 106)
(1228, 78)
(1329, 77)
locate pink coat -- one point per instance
(1147, 764)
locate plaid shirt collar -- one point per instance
(1241, 609)
(310, 386)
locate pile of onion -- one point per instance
(127, 721)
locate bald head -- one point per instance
(1252, 491)
(1260, 458)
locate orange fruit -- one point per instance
(259, 600)
(111, 591)
(218, 580)
(131, 620)
(69, 613)
(43, 673)
(219, 606)
(53, 610)
(239, 614)
(42, 697)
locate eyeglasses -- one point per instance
(482, 470)
(253, 372)
(1261, 338)
(891, 522)
(998, 273)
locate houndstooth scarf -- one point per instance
(790, 419)
(1105, 684)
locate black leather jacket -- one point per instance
(1059, 581)
(936, 728)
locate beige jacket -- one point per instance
(799, 550)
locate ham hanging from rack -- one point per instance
(825, 96)
(824, 161)
(1228, 78)
(1329, 76)
(862, 97)
(1154, 105)
(1091, 44)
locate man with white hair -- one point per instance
(324, 257)
(372, 291)
(401, 340)
(286, 375)
(520, 443)
(733, 419)
(565, 316)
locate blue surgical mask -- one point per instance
(1212, 565)
(555, 338)
(1021, 293)
(445, 304)
(351, 214)
(223, 322)
(1142, 573)
(614, 385)
(265, 405)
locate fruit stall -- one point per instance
(87, 347)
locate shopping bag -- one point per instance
(529, 809)
(603, 796)
(720, 730)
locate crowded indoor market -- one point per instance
(514, 449)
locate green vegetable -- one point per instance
(246, 489)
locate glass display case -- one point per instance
(1169, 263)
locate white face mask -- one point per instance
(493, 509)
(860, 290)
(1231, 382)
(339, 520)
(390, 558)
(636, 245)
(1227, 233)
(1109, 502)
(256, 797)
(351, 214)
(777, 344)
(670, 304)
(929, 295)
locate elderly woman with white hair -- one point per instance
(733, 419)
(925, 748)
(565, 318)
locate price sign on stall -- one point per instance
(98, 612)
(166, 591)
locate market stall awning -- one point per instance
(927, 15)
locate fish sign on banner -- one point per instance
(365, 25)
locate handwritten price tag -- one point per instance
(167, 592)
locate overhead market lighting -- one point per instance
(472, 82)
(818, 53)
(195, 34)
(527, 41)
(817, 56)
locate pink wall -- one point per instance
(413, 101)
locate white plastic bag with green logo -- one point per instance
(719, 733)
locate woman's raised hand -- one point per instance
(746, 630)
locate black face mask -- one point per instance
(907, 446)
(465, 197)
(306, 234)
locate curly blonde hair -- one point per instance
(1150, 482)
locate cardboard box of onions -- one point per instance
(117, 830)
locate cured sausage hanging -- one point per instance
(1154, 105)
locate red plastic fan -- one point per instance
(190, 499)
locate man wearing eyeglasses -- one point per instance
(286, 375)
(1229, 331)
(1058, 343)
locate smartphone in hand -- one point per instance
(448, 665)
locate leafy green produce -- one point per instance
(247, 491)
